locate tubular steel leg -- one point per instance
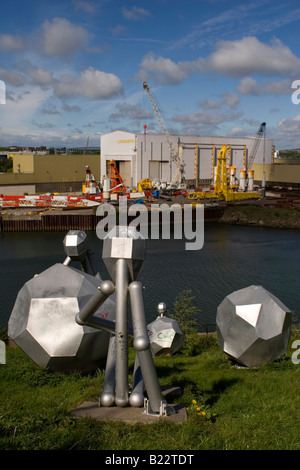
(121, 284)
(108, 393)
(105, 289)
(137, 395)
(142, 346)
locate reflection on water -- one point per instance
(232, 258)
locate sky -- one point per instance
(74, 70)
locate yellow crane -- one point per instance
(222, 189)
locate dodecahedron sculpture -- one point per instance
(43, 325)
(165, 336)
(75, 244)
(124, 243)
(253, 326)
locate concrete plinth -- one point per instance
(127, 414)
(131, 414)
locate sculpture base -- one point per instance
(127, 414)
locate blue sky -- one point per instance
(74, 70)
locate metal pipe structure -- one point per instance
(105, 289)
(121, 287)
(124, 257)
(108, 393)
(136, 398)
(141, 344)
(67, 261)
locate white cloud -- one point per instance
(134, 112)
(71, 109)
(248, 55)
(239, 58)
(135, 13)
(277, 88)
(85, 6)
(291, 125)
(12, 78)
(62, 38)
(230, 99)
(165, 70)
(91, 83)
(209, 104)
(237, 132)
(9, 43)
(205, 118)
(40, 76)
(248, 86)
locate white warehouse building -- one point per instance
(143, 155)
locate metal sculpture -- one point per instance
(253, 326)
(164, 333)
(42, 322)
(66, 319)
(76, 249)
(123, 255)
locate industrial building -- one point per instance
(143, 155)
(34, 174)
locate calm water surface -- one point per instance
(232, 258)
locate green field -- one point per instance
(229, 407)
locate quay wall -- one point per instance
(73, 220)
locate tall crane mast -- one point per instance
(178, 177)
(257, 141)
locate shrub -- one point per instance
(184, 312)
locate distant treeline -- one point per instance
(295, 153)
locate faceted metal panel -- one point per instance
(43, 324)
(75, 244)
(165, 336)
(253, 326)
(124, 243)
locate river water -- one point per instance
(233, 257)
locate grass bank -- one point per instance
(228, 407)
(261, 216)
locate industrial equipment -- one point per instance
(178, 180)
(91, 186)
(117, 184)
(249, 172)
(257, 141)
(114, 185)
(222, 186)
(144, 184)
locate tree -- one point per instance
(184, 312)
(6, 165)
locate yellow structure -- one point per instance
(222, 187)
(144, 184)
